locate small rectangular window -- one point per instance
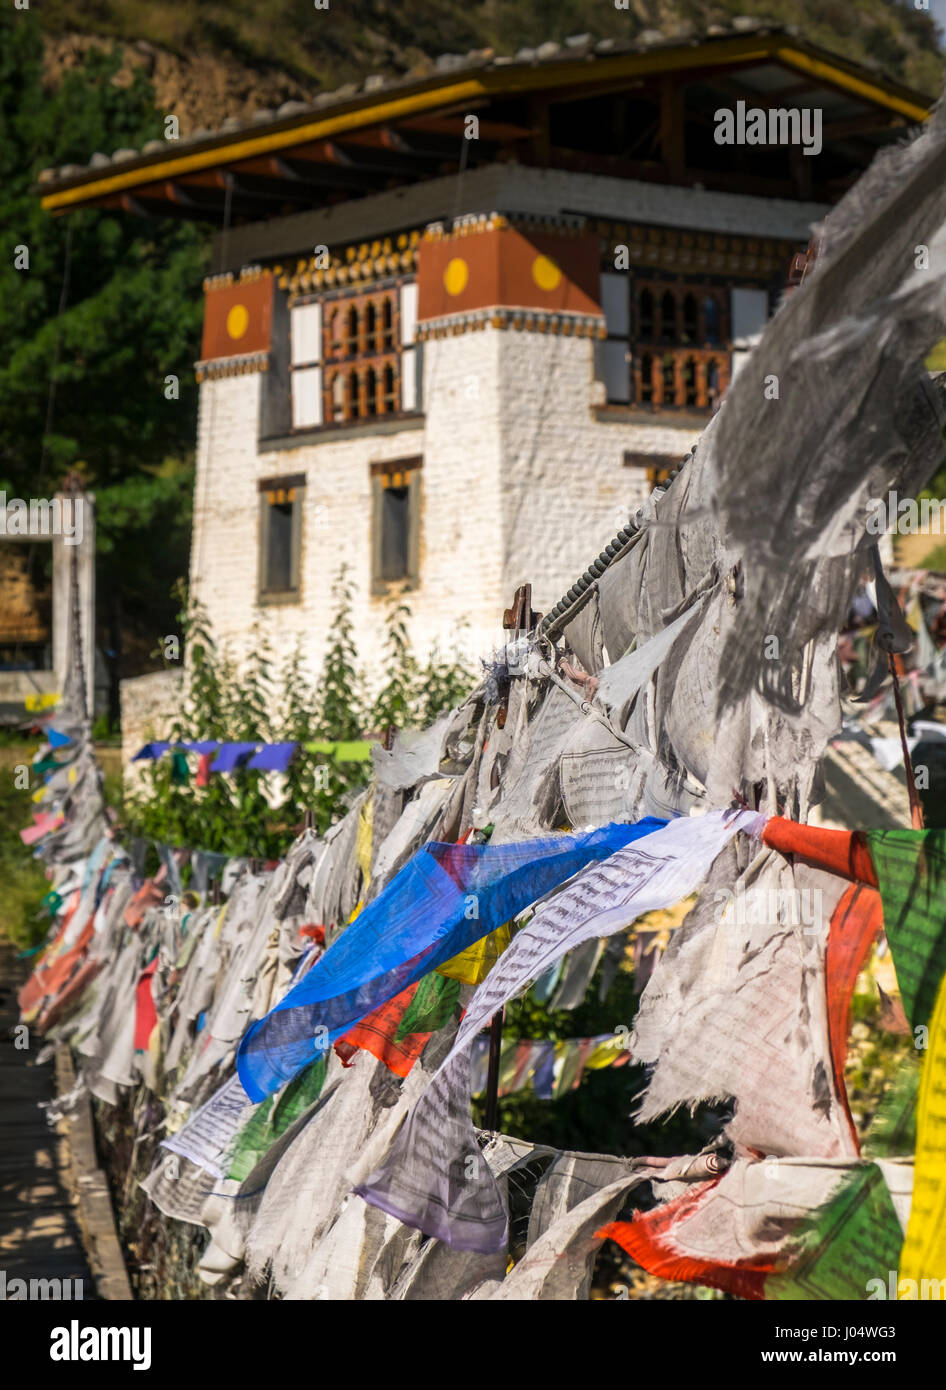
(658, 467)
(396, 522)
(395, 525)
(280, 530)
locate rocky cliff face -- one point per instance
(201, 89)
(210, 62)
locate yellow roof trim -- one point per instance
(263, 144)
(578, 71)
(871, 91)
(486, 82)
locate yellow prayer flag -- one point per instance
(40, 701)
(472, 966)
(605, 1054)
(364, 838)
(924, 1250)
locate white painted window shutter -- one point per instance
(616, 305)
(306, 334)
(306, 397)
(408, 313)
(409, 379)
(616, 370)
(750, 312)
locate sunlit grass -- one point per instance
(22, 878)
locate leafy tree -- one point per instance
(442, 684)
(246, 812)
(340, 713)
(400, 694)
(108, 308)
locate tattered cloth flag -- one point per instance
(845, 1246)
(444, 899)
(818, 1250)
(749, 968)
(552, 1068)
(273, 757)
(778, 1228)
(427, 1179)
(382, 1033)
(273, 1118)
(909, 868)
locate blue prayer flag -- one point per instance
(445, 899)
(273, 757)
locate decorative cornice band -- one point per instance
(232, 366)
(352, 265)
(472, 224)
(694, 252)
(248, 276)
(522, 320)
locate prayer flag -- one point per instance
(447, 897)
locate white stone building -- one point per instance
(462, 321)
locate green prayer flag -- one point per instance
(433, 1005)
(271, 1119)
(853, 1239)
(893, 1129)
(352, 751)
(180, 772)
(911, 872)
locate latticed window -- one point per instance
(354, 356)
(697, 314)
(668, 340)
(679, 341)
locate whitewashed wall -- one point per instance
(520, 483)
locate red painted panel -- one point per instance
(238, 319)
(508, 268)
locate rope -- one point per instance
(558, 617)
(76, 667)
(916, 809)
(200, 509)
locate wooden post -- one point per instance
(801, 171)
(519, 619)
(916, 806)
(673, 128)
(491, 1116)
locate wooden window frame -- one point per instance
(658, 467)
(369, 347)
(405, 472)
(680, 372)
(292, 488)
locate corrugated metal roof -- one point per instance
(503, 71)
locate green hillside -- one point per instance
(326, 47)
(108, 312)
